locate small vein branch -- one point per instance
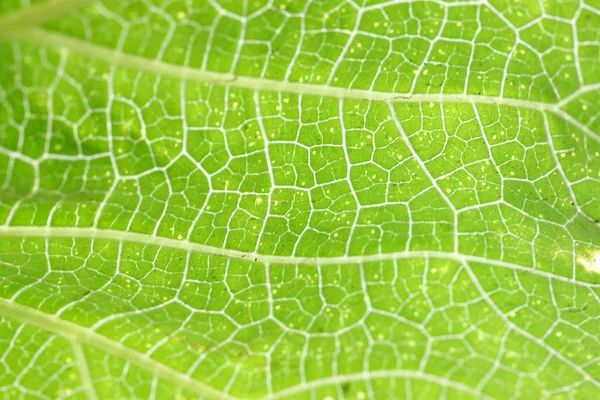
(80, 334)
(86, 378)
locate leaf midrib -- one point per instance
(111, 56)
(115, 57)
(24, 25)
(188, 246)
(26, 17)
(77, 334)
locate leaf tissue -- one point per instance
(299, 199)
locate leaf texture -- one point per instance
(227, 199)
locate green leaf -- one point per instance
(299, 199)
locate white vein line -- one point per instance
(521, 331)
(578, 93)
(369, 375)
(117, 57)
(78, 333)
(27, 17)
(561, 172)
(86, 378)
(134, 237)
(583, 128)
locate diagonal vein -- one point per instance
(80, 334)
(386, 374)
(526, 334)
(86, 378)
(185, 245)
(117, 57)
(28, 17)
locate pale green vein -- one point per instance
(579, 92)
(394, 374)
(116, 57)
(533, 339)
(77, 333)
(84, 372)
(28, 17)
(185, 245)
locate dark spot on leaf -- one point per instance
(346, 387)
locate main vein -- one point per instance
(84, 372)
(407, 374)
(78, 333)
(116, 57)
(133, 237)
(28, 17)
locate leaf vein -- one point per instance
(185, 245)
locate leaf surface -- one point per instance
(301, 199)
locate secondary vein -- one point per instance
(25, 18)
(78, 333)
(116, 57)
(134, 237)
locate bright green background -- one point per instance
(461, 222)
